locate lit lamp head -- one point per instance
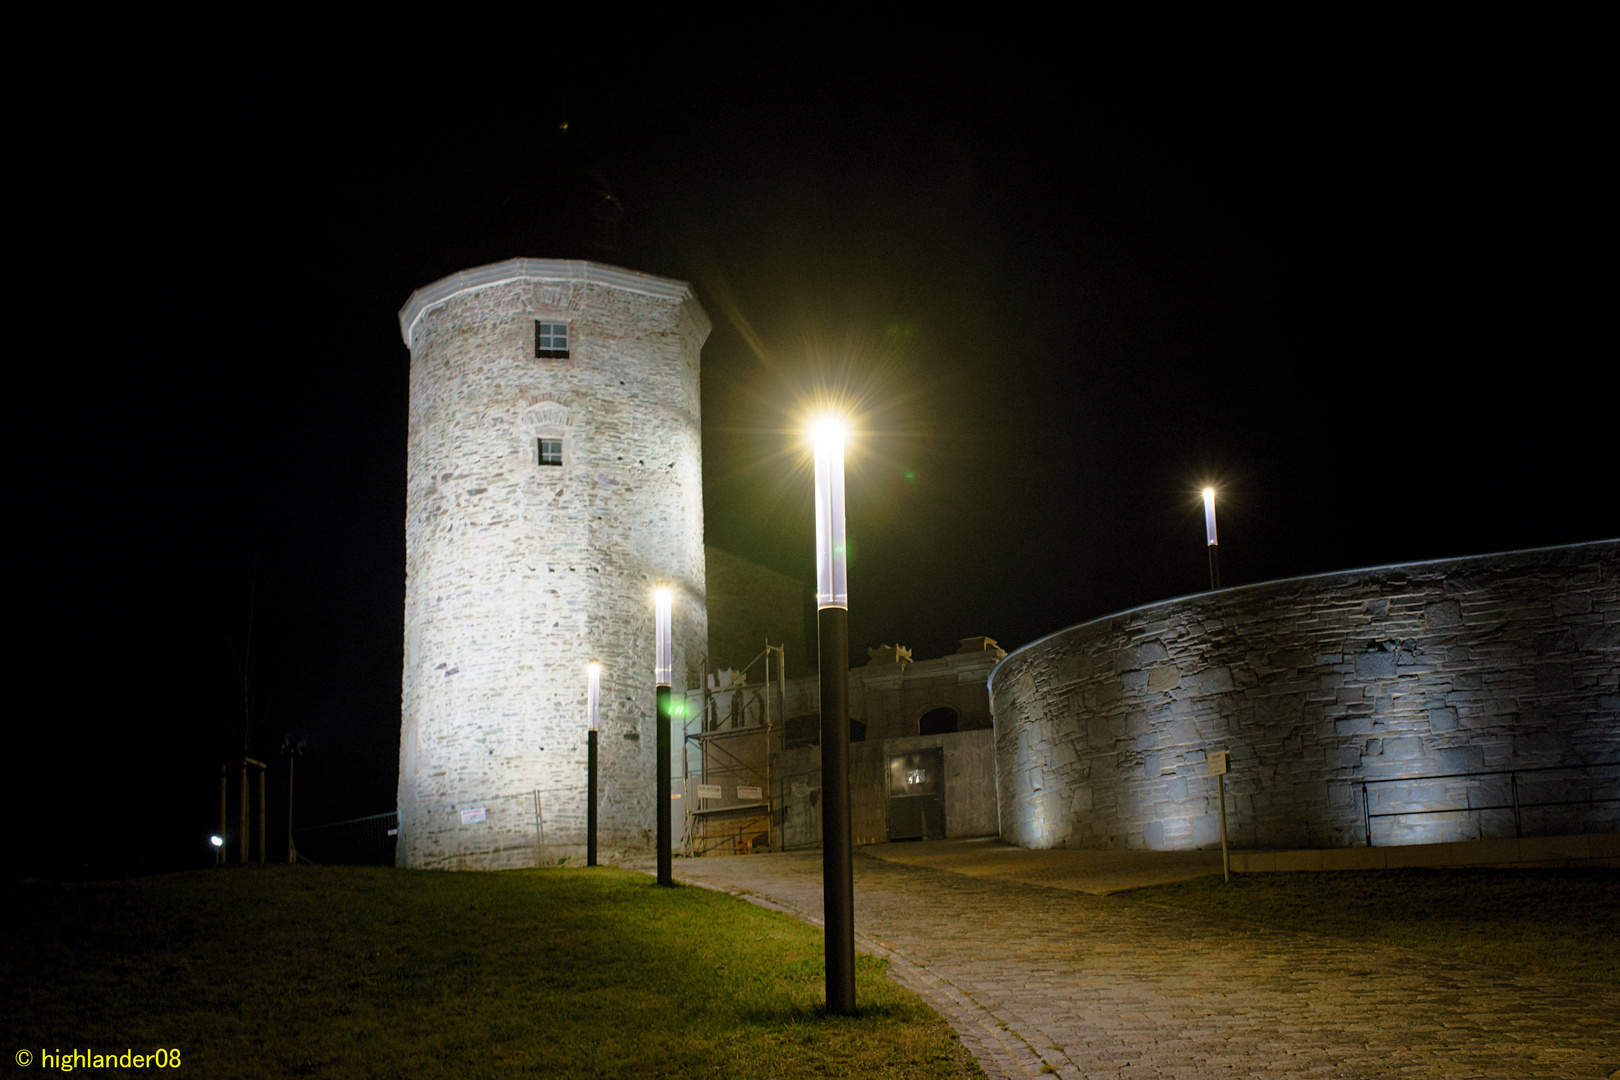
(664, 660)
(217, 841)
(1209, 515)
(593, 692)
(828, 432)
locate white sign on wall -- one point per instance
(1217, 763)
(747, 792)
(708, 791)
(476, 814)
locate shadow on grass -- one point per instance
(866, 1011)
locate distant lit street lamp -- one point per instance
(663, 662)
(593, 708)
(1209, 533)
(219, 849)
(832, 625)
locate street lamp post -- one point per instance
(1209, 533)
(832, 625)
(662, 664)
(593, 708)
(293, 748)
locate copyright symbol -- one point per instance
(25, 1057)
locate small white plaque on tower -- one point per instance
(476, 814)
(1217, 763)
(708, 791)
(745, 792)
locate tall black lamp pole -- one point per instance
(832, 625)
(593, 708)
(661, 675)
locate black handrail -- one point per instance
(1513, 784)
(353, 841)
(345, 821)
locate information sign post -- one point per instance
(1217, 769)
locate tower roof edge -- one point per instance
(560, 270)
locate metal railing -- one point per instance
(373, 839)
(361, 841)
(1514, 803)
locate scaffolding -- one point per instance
(733, 805)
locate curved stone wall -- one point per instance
(1426, 679)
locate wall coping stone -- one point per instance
(1275, 582)
(559, 270)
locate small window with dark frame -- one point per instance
(550, 340)
(550, 452)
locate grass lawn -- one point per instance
(366, 972)
(1554, 922)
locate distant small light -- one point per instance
(217, 841)
(910, 475)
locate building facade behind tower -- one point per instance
(554, 477)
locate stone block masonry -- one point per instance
(519, 571)
(1462, 686)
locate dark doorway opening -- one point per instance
(917, 795)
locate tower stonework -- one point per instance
(549, 489)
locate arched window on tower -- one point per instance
(546, 427)
(937, 721)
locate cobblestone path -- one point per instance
(1040, 981)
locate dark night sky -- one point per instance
(1355, 296)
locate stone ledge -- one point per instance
(1587, 849)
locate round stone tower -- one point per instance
(554, 478)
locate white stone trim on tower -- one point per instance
(559, 270)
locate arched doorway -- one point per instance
(941, 721)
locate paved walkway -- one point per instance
(1041, 980)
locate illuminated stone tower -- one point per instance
(554, 477)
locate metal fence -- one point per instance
(1535, 800)
(538, 827)
(361, 841)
